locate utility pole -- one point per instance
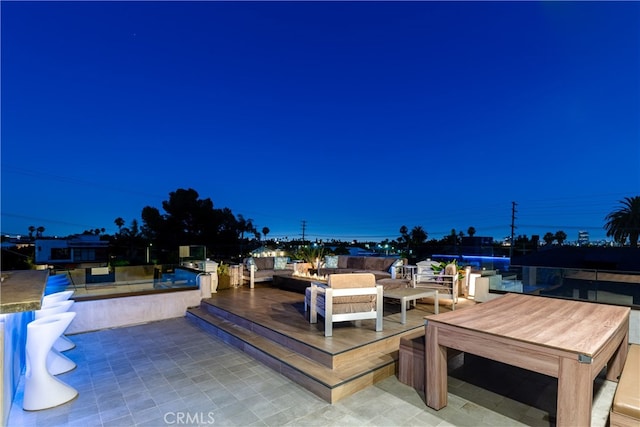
(513, 227)
(304, 227)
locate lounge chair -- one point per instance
(346, 297)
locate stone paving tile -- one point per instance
(175, 373)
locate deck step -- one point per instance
(329, 384)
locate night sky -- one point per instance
(354, 117)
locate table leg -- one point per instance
(435, 369)
(403, 303)
(575, 393)
(616, 363)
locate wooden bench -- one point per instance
(411, 360)
(625, 410)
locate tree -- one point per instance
(624, 222)
(418, 236)
(131, 243)
(119, 223)
(548, 238)
(471, 231)
(32, 230)
(404, 236)
(189, 220)
(39, 231)
(265, 231)
(560, 236)
(244, 226)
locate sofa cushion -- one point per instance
(347, 304)
(264, 263)
(356, 280)
(331, 261)
(353, 306)
(263, 275)
(328, 271)
(379, 275)
(343, 260)
(389, 284)
(377, 263)
(356, 262)
(398, 262)
(250, 262)
(280, 262)
(626, 400)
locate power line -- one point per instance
(513, 227)
(46, 220)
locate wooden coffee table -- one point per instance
(569, 340)
(411, 294)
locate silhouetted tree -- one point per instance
(624, 222)
(471, 231)
(189, 220)
(548, 238)
(39, 231)
(418, 236)
(404, 237)
(265, 231)
(119, 223)
(244, 225)
(32, 230)
(560, 236)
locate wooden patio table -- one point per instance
(569, 340)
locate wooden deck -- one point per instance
(270, 324)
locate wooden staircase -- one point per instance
(330, 373)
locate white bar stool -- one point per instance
(41, 389)
(57, 363)
(57, 297)
(63, 343)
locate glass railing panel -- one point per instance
(605, 286)
(104, 281)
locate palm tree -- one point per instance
(418, 235)
(32, 230)
(245, 226)
(119, 222)
(39, 231)
(265, 231)
(404, 236)
(625, 222)
(471, 231)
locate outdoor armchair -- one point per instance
(346, 297)
(446, 282)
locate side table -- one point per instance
(412, 294)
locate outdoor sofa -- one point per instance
(264, 268)
(380, 267)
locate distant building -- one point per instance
(81, 250)
(583, 238)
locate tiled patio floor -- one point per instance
(172, 373)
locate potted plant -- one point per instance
(224, 278)
(314, 256)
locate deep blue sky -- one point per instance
(355, 117)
